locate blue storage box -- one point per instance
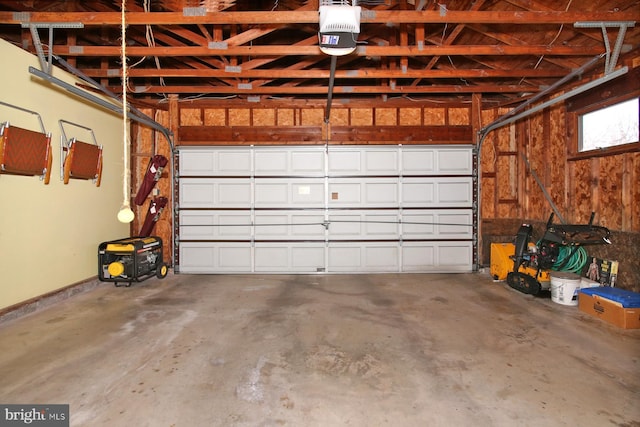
(613, 305)
(628, 299)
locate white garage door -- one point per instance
(346, 209)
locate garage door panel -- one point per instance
(208, 225)
(438, 192)
(219, 162)
(272, 162)
(355, 258)
(418, 257)
(208, 193)
(438, 160)
(300, 193)
(289, 161)
(425, 224)
(418, 161)
(373, 192)
(437, 256)
(233, 194)
(289, 225)
(233, 162)
(197, 162)
(197, 258)
(207, 257)
(454, 161)
(308, 162)
(418, 224)
(287, 258)
(345, 162)
(455, 255)
(455, 192)
(363, 225)
(455, 225)
(418, 193)
(355, 161)
(197, 193)
(305, 209)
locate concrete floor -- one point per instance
(334, 350)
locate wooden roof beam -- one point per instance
(323, 90)
(311, 17)
(295, 50)
(295, 72)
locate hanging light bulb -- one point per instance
(125, 214)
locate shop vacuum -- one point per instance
(131, 260)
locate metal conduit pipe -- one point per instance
(133, 110)
(101, 102)
(548, 90)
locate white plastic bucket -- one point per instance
(564, 288)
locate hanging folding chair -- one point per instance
(80, 160)
(23, 151)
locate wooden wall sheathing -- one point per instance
(360, 117)
(239, 117)
(191, 117)
(487, 166)
(581, 192)
(285, 117)
(435, 116)
(634, 202)
(557, 153)
(145, 144)
(459, 116)
(339, 117)
(263, 117)
(213, 117)
(386, 116)
(610, 181)
(312, 117)
(487, 197)
(410, 117)
(536, 149)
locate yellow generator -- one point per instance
(131, 260)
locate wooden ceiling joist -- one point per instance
(311, 17)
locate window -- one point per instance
(611, 126)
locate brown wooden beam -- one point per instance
(311, 17)
(323, 90)
(295, 50)
(348, 134)
(203, 135)
(324, 74)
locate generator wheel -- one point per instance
(162, 271)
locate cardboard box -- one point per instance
(616, 306)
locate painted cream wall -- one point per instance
(49, 234)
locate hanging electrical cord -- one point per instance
(125, 214)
